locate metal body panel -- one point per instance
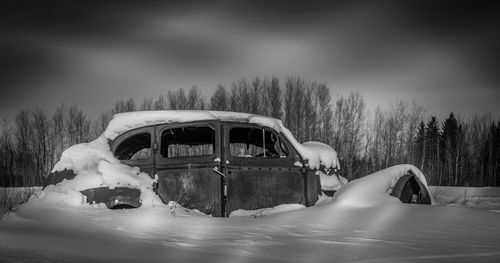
(116, 197)
(195, 188)
(190, 181)
(236, 183)
(58, 176)
(254, 183)
(251, 188)
(312, 187)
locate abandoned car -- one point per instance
(215, 162)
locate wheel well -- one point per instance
(410, 190)
(116, 198)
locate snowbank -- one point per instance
(330, 233)
(375, 189)
(95, 166)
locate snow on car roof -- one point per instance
(315, 153)
(122, 122)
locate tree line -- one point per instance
(455, 152)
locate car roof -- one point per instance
(123, 122)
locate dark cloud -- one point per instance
(91, 18)
(22, 62)
(393, 47)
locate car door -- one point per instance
(260, 168)
(185, 158)
(134, 148)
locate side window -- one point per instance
(187, 141)
(255, 142)
(136, 147)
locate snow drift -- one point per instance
(376, 188)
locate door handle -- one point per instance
(216, 170)
(223, 181)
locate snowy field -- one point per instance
(476, 197)
(334, 231)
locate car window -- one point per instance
(136, 147)
(255, 142)
(187, 141)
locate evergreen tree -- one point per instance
(449, 146)
(432, 151)
(420, 145)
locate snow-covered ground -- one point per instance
(333, 231)
(474, 197)
(330, 232)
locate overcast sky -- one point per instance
(445, 55)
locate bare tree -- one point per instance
(7, 155)
(255, 96)
(195, 99)
(101, 123)
(293, 105)
(77, 125)
(40, 144)
(24, 134)
(160, 103)
(239, 97)
(219, 100)
(147, 104)
(322, 102)
(57, 133)
(348, 121)
(124, 106)
(274, 94)
(308, 123)
(177, 100)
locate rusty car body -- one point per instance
(219, 165)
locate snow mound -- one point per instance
(375, 189)
(319, 154)
(85, 156)
(316, 154)
(95, 166)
